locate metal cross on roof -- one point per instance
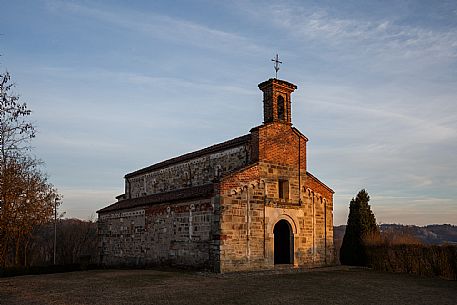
(277, 62)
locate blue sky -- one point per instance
(115, 87)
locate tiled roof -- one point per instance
(208, 150)
(201, 191)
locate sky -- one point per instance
(115, 86)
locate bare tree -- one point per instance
(26, 197)
(77, 240)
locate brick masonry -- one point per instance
(217, 208)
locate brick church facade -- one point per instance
(244, 204)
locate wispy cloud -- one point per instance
(377, 36)
(163, 27)
(410, 127)
(143, 79)
(156, 108)
(83, 143)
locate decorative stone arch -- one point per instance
(309, 193)
(308, 197)
(262, 183)
(320, 199)
(294, 236)
(283, 243)
(293, 224)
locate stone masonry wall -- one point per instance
(198, 171)
(250, 206)
(249, 213)
(241, 221)
(320, 198)
(177, 234)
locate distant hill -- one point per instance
(431, 234)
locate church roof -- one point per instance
(200, 191)
(293, 128)
(278, 81)
(322, 183)
(208, 150)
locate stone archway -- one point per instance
(283, 243)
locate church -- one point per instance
(245, 204)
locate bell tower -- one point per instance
(276, 101)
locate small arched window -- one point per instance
(281, 108)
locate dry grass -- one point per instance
(329, 286)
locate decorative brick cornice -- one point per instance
(277, 82)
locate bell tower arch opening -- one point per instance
(281, 108)
(277, 101)
(283, 243)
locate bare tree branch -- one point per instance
(27, 199)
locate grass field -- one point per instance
(327, 286)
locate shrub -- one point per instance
(414, 258)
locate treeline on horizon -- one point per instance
(76, 248)
(434, 234)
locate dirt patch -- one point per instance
(328, 286)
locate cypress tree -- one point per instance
(361, 223)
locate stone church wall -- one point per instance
(176, 234)
(321, 198)
(197, 171)
(318, 228)
(241, 221)
(250, 208)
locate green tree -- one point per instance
(26, 197)
(360, 226)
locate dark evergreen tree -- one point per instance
(361, 224)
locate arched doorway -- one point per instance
(284, 243)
